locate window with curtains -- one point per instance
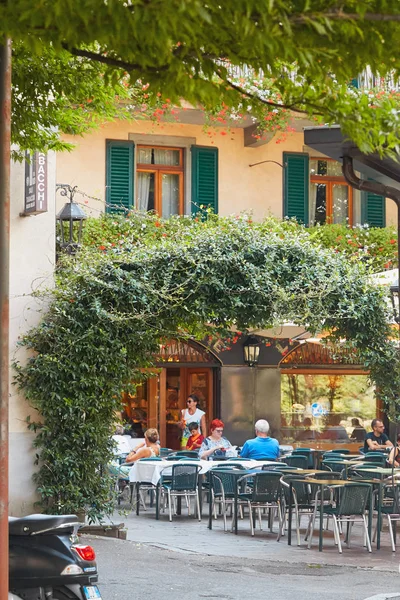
(330, 196)
(159, 184)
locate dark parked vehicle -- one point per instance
(47, 560)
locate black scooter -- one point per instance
(47, 562)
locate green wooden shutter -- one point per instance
(295, 186)
(119, 176)
(204, 179)
(373, 209)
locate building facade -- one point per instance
(32, 261)
(178, 167)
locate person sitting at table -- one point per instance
(394, 453)
(358, 432)
(150, 448)
(215, 444)
(196, 439)
(377, 438)
(262, 447)
(307, 433)
(334, 430)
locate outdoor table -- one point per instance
(150, 471)
(326, 483)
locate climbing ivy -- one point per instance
(141, 280)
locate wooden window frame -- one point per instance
(159, 171)
(330, 181)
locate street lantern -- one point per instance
(251, 350)
(394, 293)
(71, 218)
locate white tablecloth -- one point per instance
(150, 471)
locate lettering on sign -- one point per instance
(35, 183)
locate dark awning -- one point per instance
(330, 141)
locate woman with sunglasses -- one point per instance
(216, 445)
(191, 414)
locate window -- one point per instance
(158, 177)
(314, 191)
(160, 180)
(330, 197)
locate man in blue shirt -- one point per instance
(262, 447)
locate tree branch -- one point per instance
(268, 102)
(112, 62)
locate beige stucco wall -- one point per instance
(32, 256)
(241, 187)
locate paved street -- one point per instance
(173, 560)
(130, 570)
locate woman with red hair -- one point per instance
(215, 445)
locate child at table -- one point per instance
(196, 439)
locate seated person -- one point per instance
(394, 456)
(262, 447)
(307, 433)
(215, 445)
(377, 439)
(358, 432)
(149, 449)
(196, 439)
(335, 431)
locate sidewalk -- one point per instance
(185, 534)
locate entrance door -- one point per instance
(179, 384)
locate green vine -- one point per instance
(140, 280)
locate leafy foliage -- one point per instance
(142, 280)
(264, 59)
(375, 246)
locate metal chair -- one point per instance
(143, 486)
(350, 507)
(223, 489)
(185, 453)
(182, 481)
(374, 457)
(265, 492)
(332, 465)
(165, 452)
(276, 467)
(296, 460)
(302, 501)
(390, 508)
(306, 452)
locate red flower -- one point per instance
(157, 224)
(102, 247)
(392, 241)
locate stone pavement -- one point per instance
(185, 534)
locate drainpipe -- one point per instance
(5, 145)
(375, 188)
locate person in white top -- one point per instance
(150, 448)
(191, 414)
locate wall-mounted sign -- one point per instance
(35, 183)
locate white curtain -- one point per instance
(312, 203)
(144, 156)
(170, 194)
(165, 157)
(340, 203)
(143, 190)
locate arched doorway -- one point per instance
(183, 368)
